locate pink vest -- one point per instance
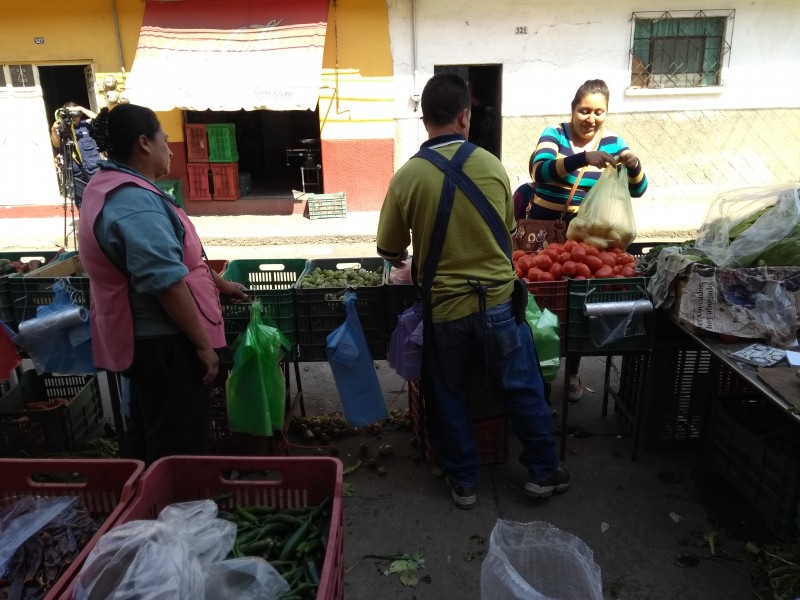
(111, 319)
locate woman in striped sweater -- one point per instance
(581, 148)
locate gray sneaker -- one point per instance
(557, 482)
(464, 497)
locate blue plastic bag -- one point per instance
(59, 338)
(356, 381)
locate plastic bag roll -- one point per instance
(53, 322)
(635, 307)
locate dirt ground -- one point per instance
(650, 522)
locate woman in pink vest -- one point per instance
(155, 310)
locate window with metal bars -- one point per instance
(680, 49)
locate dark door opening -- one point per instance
(276, 148)
(61, 84)
(485, 83)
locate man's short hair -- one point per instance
(443, 98)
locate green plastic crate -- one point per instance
(172, 187)
(63, 428)
(581, 291)
(222, 142)
(272, 282)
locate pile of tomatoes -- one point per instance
(574, 260)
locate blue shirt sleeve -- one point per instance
(142, 233)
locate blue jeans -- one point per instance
(513, 369)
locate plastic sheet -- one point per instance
(756, 218)
(537, 561)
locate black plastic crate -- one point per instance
(399, 298)
(755, 448)
(320, 310)
(270, 281)
(32, 290)
(677, 397)
(62, 428)
(6, 301)
(581, 291)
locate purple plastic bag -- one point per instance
(405, 344)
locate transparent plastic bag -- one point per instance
(605, 218)
(246, 578)
(25, 517)
(756, 218)
(537, 561)
(163, 558)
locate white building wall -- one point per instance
(567, 43)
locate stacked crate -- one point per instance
(197, 162)
(224, 160)
(213, 162)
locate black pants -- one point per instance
(170, 406)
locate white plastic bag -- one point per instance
(248, 578)
(537, 561)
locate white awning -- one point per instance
(229, 55)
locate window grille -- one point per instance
(680, 49)
(22, 76)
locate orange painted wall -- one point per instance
(360, 168)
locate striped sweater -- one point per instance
(555, 165)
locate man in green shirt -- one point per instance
(469, 327)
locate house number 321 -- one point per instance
(521, 30)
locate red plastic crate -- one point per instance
(226, 181)
(552, 295)
(196, 143)
(289, 482)
(491, 435)
(106, 490)
(199, 188)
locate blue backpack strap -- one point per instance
(452, 170)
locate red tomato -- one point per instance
(564, 257)
(604, 272)
(592, 251)
(525, 262)
(519, 270)
(555, 247)
(578, 254)
(534, 274)
(515, 256)
(608, 258)
(593, 262)
(569, 268)
(579, 277)
(545, 276)
(615, 250)
(626, 271)
(583, 269)
(569, 245)
(555, 270)
(552, 253)
(544, 262)
(623, 258)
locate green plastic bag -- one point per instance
(256, 386)
(544, 325)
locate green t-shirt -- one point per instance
(470, 251)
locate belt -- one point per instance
(554, 205)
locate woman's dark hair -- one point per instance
(592, 86)
(117, 130)
(444, 96)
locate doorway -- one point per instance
(64, 83)
(279, 151)
(485, 84)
